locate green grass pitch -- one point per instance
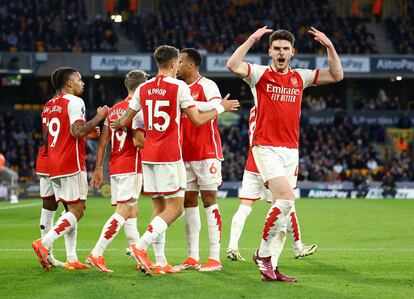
(366, 250)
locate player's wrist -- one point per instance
(220, 109)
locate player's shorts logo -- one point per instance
(213, 169)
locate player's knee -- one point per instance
(191, 199)
(123, 209)
(50, 204)
(284, 194)
(209, 201)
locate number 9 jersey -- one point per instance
(124, 158)
(66, 153)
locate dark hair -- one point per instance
(194, 55)
(164, 54)
(61, 75)
(53, 77)
(282, 34)
(134, 78)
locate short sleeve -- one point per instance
(211, 90)
(309, 77)
(138, 121)
(254, 73)
(184, 97)
(135, 103)
(106, 122)
(76, 109)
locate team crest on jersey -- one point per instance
(294, 81)
(195, 95)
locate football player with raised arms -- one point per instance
(162, 100)
(125, 171)
(277, 90)
(253, 189)
(66, 132)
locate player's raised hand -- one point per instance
(229, 105)
(97, 178)
(102, 112)
(320, 37)
(259, 33)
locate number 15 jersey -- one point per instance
(66, 153)
(161, 100)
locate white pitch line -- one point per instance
(17, 206)
(183, 249)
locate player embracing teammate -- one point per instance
(162, 100)
(277, 90)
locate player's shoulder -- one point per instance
(207, 83)
(260, 67)
(303, 72)
(175, 81)
(72, 98)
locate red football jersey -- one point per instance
(66, 154)
(124, 157)
(203, 142)
(250, 163)
(278, 99)
(161, 100)
(41, 160)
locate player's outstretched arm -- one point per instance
(125, 119)
(97, 176)
(206, 106)
(335, 73)
(81, 129)
(199, 119)
(235, 64)
(138, 137)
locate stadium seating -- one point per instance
(221, 25)
(53, 26)
(400, 29)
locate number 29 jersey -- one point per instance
(124, 157)
(66, 153)
(161, 100)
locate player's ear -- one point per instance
(270, 51)
(293, 52)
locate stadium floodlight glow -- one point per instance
(398, 78)
(97, 76)
(116, 18)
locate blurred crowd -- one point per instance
(53, 26)
(401, 29)
(330, 152)
(222, 25)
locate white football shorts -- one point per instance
(71, 189)
(274, 162)
(203, 175)
(125, 188)
(168, 180)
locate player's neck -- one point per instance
(66, 91)
(166, 72)
(192, 78)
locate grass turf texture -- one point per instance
(366, 250)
